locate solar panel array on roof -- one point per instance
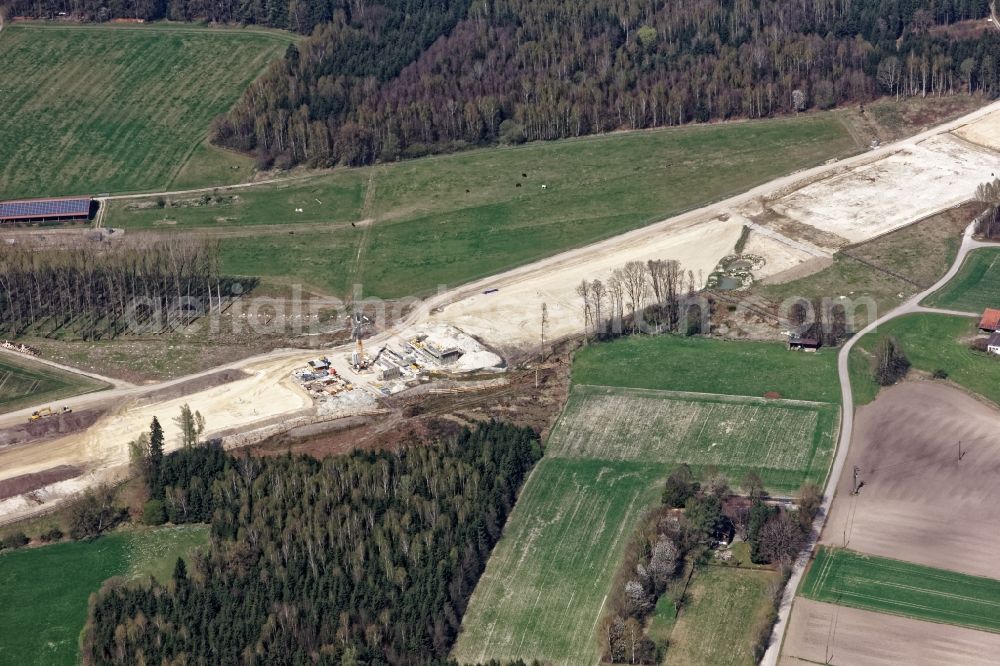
(42, 208)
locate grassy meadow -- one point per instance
(931, 342)
(717, 626)
(885, 270)
(453, 218)
(24, 382)
(890, 586)
(542, 594)
(785, 442)
(975, 287)
(44, 591)
(708, 365)
(107, 109)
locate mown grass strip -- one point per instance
(542, 594)
(710, 365)
(24, 382)
(44, 591)
(975, 287)
(883, 585)
(786, 442)
(454, 218)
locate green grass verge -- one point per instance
(975, 287)
(454, 218)
(882, 272)
(890, 586)
(716, 627)
(708, 365)
(662, 620)
(44, 591)
(24, 382)
(931, 342)
(787, 443)
(90, 110)
(542, 594)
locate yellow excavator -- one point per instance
(45, 412)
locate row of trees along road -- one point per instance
(102, 290)
(367, 558)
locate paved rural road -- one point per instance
(910, 306)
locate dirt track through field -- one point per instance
(919, 502)
(823, 633)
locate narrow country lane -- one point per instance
(910, 306)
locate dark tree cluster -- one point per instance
(988, 223)
(368, 558)
(509, 71)
(104, 290)
(653, 297)
(654, 560)
(891, 363)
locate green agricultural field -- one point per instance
(786, 442)
(24, 382)
(931, 342)
(717, 626)
(708, 365)
(454, 218)
(976, 286)
(890, 586)
(543, 591)
(44, 591)
(90, 110)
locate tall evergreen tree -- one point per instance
(155, 459)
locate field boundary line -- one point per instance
(205, 138)
(161, 27)
(717, 397)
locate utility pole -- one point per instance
(545, 322)
(857, 474)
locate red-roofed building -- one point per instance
(990, 320)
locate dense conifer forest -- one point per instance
(523, 70)
(368, 558)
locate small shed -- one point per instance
(803, 344)
(990, 320)
(993, 344)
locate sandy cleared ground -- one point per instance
(872, 199)
(511, 317)
(985, 132)
(822, 633)
(267, 393)
(513, 314)
(780, 257)
(919, 503)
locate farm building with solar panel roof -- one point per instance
(46, 210)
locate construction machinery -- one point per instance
(46, 412)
